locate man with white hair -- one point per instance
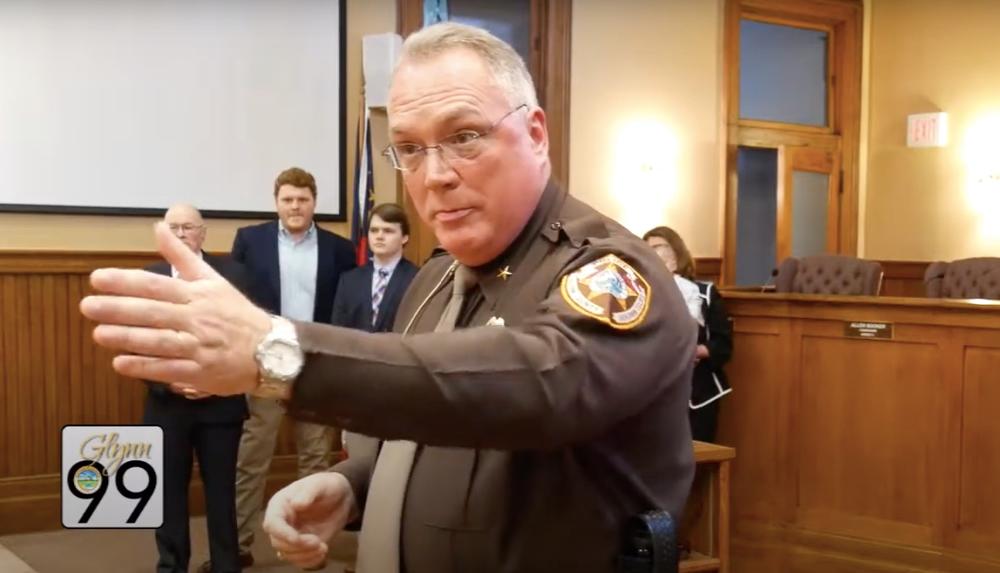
(195, 422)
(533, 396)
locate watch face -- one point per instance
(282, 360)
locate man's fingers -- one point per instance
(189, 265)
(141, 284)
(133, 311)
(167, 370)
(305, 543)
(146, 341)
(304, 559)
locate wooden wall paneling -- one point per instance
(12, 367)
(776, 548)
(760, 378)
(556, 28)
(849, 482)
(4, 367)
(903, 278)
(53, 374)
(59, 396)
(76, 343)
(951, 343)
(22, 417)
(708, 269)
(978, 525)
(893, 442)
(34, 386)
(49, 346)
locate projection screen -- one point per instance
(128, 106)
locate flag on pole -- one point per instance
(364, 189)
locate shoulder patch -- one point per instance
(609, 290)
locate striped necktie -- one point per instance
(380, 283)
(378, 546)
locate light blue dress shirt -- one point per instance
(298, 262)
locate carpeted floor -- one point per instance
(133, 551)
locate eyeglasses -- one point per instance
(186, 227)
(464, 145)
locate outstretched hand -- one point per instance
(196, 330)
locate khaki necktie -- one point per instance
(378, 546)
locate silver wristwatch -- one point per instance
(279, 360)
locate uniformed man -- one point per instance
(523, 440)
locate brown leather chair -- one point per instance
(829, 274)
(965, 278)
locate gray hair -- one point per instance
(505, 64)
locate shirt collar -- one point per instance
(390, 266)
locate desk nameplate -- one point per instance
(867, 329)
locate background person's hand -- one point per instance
(197, 330)
(302, 517)
(700, 353)
(187, 391)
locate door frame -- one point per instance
(841, 136)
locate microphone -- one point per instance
(769, 284)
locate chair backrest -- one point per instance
(965, 278)
(829, 274)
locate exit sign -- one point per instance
(927, 130)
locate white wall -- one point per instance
(644, 127)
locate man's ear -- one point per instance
(538, 131)
(406, 239)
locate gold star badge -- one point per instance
(504, 273)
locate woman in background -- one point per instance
(715, 333)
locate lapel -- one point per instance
(213, 262)
(160, 268)
(269, 248)
(325, 263)
(366, 294)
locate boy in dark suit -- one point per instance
(368, 296)
(192, 421)
(295, 267)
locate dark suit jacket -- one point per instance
(256, 248)
(214, 409)
(710, 382)
(353, 306)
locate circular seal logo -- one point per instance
(87, 479)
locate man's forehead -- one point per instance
(380, 222)
(289, 190)
(455, 78)
(182, 214)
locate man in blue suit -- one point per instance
(295, 267)
(196, 423)
(368, 296)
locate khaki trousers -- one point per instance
(260, 436)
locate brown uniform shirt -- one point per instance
(538, 438)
